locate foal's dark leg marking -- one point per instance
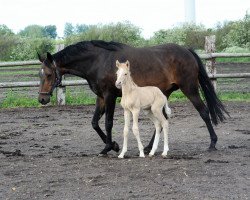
(109, 111)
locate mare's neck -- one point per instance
(79, 65)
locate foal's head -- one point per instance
(122, 73)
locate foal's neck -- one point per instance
(129, 86)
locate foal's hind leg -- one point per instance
(157, 124)
(135, 129)
(194, 97)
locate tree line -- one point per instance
(230, 36)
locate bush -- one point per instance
(120, 32)
(189, 35)
(27, 48)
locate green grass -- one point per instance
(11, 73)
(13, 99)
(233, 60)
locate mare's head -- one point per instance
(50, 78)
(122, 73)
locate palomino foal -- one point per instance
(150, 99)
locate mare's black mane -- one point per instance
(71, 51)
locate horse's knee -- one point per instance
(95, 124)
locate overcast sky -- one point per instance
(149, 15)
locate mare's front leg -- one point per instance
(109, 116)
(125, 133)
(99, 111)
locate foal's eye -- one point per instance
(126, 74)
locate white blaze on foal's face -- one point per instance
(122, 73)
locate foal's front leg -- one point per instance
(136, 131)
(125, 133)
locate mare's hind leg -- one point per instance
(194, 97)
(135, 129)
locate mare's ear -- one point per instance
(128, 64)
(39, 57)
(50, 57)
(117, 63)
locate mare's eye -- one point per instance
(49, 76)
(126, 74)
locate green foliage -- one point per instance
(26, 49)
(189, 35)
(50, 31)
(232, 34)
(120, 32)
(7, 42)
(32, 31)
(68, 29)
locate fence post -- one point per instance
(60, 90)
(210, 64)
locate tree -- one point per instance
(50, 31)
(81, 28)
(68, 29)
(7, 42)
(33, 31)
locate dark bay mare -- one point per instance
(169, 67)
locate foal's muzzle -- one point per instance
(118, 85)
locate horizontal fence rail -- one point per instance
(37, 83)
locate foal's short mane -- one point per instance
(70, 52)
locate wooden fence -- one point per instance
(210, 57)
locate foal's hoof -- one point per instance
(150, 155)
(115, 146)
(121, 156)
(147, 149)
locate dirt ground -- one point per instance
(51, 153)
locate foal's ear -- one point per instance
(117, 63)
(50, 57)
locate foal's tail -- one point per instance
(166, 111)
(215, 106)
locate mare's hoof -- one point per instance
(102, 155)
(115, 146)
(212, 148)
(147, 150)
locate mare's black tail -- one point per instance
(215, 106)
